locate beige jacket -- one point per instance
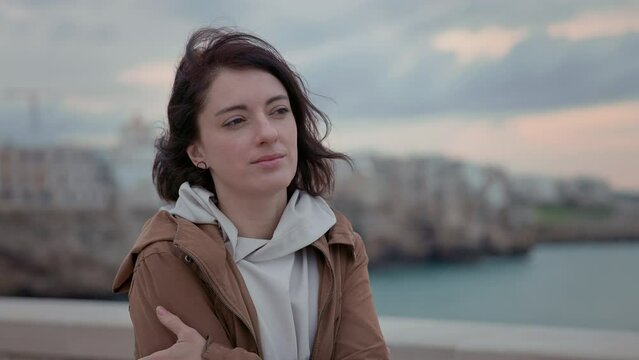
(186, 268)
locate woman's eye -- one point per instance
(233, 122)
(281, 111)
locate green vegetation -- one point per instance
(558, 215)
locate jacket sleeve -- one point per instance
(359, 335)
(160, 278)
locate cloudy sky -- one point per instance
(549, 87)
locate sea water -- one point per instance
(584, 285)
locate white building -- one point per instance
(132, 163)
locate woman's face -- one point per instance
(248, 135)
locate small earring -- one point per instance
(201, 165)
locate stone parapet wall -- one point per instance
(37, 329)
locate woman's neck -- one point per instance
(254, 217)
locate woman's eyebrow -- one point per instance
(231, 108)
(243, 107)
(275, 98)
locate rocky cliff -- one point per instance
(411, 209)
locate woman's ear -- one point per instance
(195, 153)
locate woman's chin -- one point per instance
(270, 187)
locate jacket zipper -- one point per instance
(223, 298)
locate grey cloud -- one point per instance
(81, 49)
(539, 74)
(544, 74)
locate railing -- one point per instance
(80, 329)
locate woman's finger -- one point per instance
(189, 345)
(173, 323)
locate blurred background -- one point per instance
(495, 145)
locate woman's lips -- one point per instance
(269, 160)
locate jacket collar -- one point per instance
(166, 227)
(340, 234)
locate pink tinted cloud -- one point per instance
(597, 24)
(598, 140)
(468, 46)
(154, 74)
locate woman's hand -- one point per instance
(190, 344)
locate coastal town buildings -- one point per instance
(132, 162)
(54, 178)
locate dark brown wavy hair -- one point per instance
(208, 51)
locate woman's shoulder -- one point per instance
(166, 232)
(344, 233)
(156, 236)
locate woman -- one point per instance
(247, 261)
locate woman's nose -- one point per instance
(266, 131)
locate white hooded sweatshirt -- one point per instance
(281, 274)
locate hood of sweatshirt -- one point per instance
(305, 219)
